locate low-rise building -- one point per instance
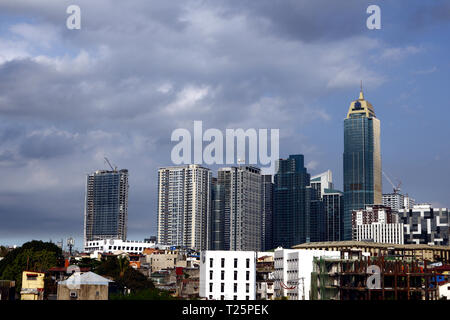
(32, 285)
(228, 275)
(7, 290)
(264, 276)
(293, 268)
(117, 245)
(84, 286)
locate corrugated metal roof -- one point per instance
(86, 278)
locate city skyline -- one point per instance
(66, 102)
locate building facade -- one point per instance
(397, 201)
(267, 212)
(291, 215)
(378, 224)
(242, 189)
(184, 204)
(228, 275)
(115, 245)
(362, 160)
(216, 220)
(327, 209)
(293, 268)
(426, 225)
(106, 205)
(333, 201)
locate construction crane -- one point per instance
(109, 163)
(395, 187)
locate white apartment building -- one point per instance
(184, 200)
(380, 232)
(378, 224)
(117, 245)
(293, 269)
(397, 201)
(228, 275)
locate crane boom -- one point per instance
(395, 187)
(109, 163)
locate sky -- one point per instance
(139, 69)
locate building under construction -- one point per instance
(347, 279)
(408, 252)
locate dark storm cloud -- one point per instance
(137, 70)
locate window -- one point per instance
(210, 262)
(222, 263)
(210, 275)
(210, 287)
(235, 262)
(248, 263)
(235, 287)
(247, 275)
(222, 287)
(235, 275)
(247, 288)
(222, 275)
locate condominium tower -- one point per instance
(106, 205)
(242, 196)
(184, 201)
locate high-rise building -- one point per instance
(362, 160)
(321, 182)
(106, 205)
(291, 214)
(333, 201)
(216, 221)
(327, 208)
(267, 208)
(426, 225)
(397, 201)
(184, 204)
(242, 207)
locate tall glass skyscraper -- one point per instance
(106, 205)
(362, 160)
(291, 215)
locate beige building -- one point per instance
(160, 260)
(32, 286)
(85, 286)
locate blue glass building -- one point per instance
(362, 161)
(106, 205)
(291, 202)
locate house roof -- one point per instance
(86, 278)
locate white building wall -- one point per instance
(293, 269)
(114, 245)
(444, 290)
(380, 233)
(211, 282)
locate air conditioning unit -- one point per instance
(73, 294)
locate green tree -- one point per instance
(34, 256)
(124, 265)
(3, 251)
